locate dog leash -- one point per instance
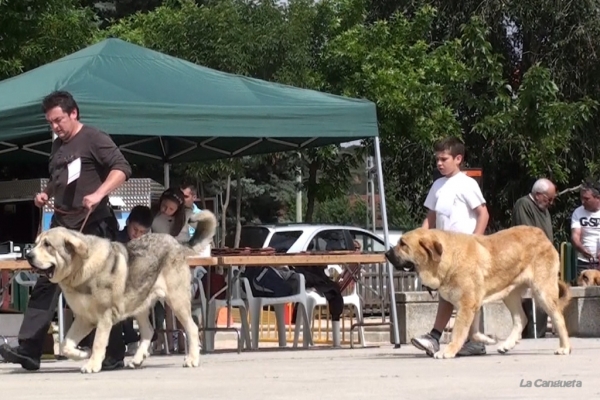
(87, 216)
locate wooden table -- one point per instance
(241, 260)
(253, 260)
(289, 259)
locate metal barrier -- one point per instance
(373, 289)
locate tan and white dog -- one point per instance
(589, 277)
(472, 270)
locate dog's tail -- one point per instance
(564, 295)
(206, 227)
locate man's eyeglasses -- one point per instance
(549, 198)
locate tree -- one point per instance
(35, 32)
(559, 37)
(426, 90)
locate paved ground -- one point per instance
(382, 372)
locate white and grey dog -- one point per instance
(106, 282)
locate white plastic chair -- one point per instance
(256, 304)
(352, 299)
(199, 307)
(26, 278)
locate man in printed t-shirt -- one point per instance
(585, 227)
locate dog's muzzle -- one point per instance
(392, 257)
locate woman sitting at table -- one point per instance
(171, 218)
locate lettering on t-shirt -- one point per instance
(589, 221)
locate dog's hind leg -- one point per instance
(519, 319)
(547, 295)
(146, 333)
(182, 307)
(79, 329)
(462, 325)
(476, 335)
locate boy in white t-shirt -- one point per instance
(455, 203)
(585, 227)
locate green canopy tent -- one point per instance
(159, 108)
(164, 108)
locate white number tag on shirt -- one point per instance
(74, 170)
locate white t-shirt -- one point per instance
(589, 222)
(454, 201)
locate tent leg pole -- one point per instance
(386, 238)
(61, 301)
(166, 174)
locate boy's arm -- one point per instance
(429, 222)
(430, 200)
(482, 219)
(475, 200)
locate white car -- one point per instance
(295, 238)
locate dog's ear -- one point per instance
(76, 245)
(597, 280)
(582, 280)
(433, 248)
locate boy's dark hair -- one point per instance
(452, 145)
(141, 215)
(61, 99)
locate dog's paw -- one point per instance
(506, 346)
(191, 362)
(75, 354)
(91, 367)
(563, 351)
(443, 355)
(135, 364)
(485, 339)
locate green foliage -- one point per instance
(341, 211)
(518, 81)
(35, 32)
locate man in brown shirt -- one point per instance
(85, 167)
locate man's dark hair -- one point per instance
(452, 145)
(141, 215)
(61, 99)
(591, 185)
(191, 187)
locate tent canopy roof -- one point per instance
(165, 108)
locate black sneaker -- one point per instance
(16, 355)
(111, 364)
(472, 349)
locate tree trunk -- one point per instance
(311, 191)
(224, 206)
(238, 210)
(200, 186)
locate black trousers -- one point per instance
(315, 278)
(44, 300)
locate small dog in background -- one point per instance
(590, 277)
